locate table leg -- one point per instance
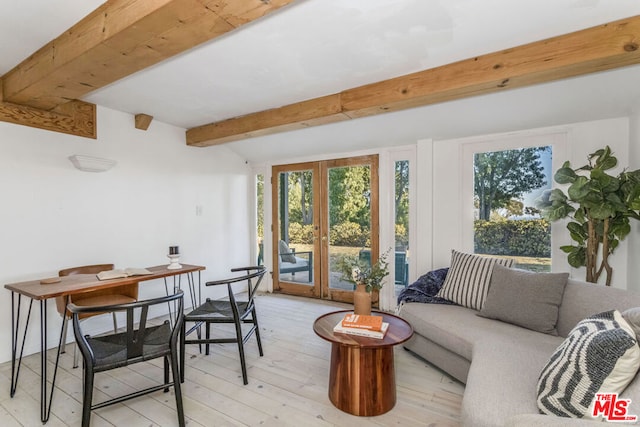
(15, 328)
(45, 404)
(362, 380)
(44, 416)
(196, 297)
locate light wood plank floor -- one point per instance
(287, 387)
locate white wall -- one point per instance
(633, 273)
(449, 214)
(53, 216)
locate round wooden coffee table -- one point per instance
(362, 377)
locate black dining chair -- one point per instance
(139, 342)
(231, 311)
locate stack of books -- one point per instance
(365, 326)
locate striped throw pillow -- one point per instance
(600, 355)
(467, 281)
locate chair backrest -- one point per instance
(255, 272)
(61, 302)
(140, 340)
(401, 268)
(253, 276)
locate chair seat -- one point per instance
(111, 351)
(215, 311)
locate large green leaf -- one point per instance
(557, 195)
(599, 153)
(579, 189)
(577, 232)
(620, 228)
(556, 212)
(580, 216)
(616, 202)
(604, 159)
(565, 175)
(608, 163)
(602, 211)
(577, 258)
(600, 177)
(568, 248)
(633, 198)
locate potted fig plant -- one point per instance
(366, 278)
(599, 206)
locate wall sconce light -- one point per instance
(91, 164)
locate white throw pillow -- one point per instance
(467, 281)
(600, 355)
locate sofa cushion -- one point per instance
(503, 375)
(581, 300)
(451, 326)
(600, 355)
(459, 329)
(467, 281)
(632, 316)
(286, 255)
(524, 298)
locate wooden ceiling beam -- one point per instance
(120, 38)
(75, 118)
(583, 52)
(317, 111)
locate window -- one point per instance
(506, 180)
(260, 217)
(401, 226)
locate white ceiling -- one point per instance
(318, 47)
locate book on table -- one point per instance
(362, 332)
(372, 323)
(122, 273)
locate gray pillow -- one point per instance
(632, 316)
(524, 298)
(285, 253)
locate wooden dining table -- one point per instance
(42, 290)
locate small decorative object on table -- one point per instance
(365, 277)
(174, 256)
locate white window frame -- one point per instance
(556, 139)
(388, 218)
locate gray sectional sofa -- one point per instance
(500, 363)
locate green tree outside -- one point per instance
(502, 176)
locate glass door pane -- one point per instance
(351, 225)
(295, 230)
(260, 217)
(349, 218)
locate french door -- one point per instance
(323, 211)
